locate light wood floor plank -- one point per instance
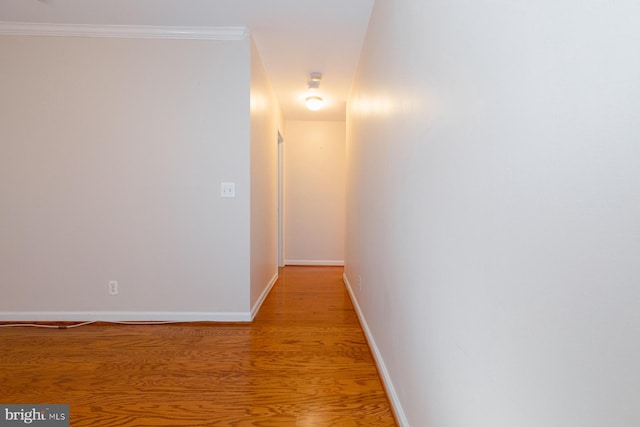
(303, 362)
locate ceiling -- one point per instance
(294, 37)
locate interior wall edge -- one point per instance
(263, 296)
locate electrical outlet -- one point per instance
(113, 287)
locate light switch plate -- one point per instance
(228, 189)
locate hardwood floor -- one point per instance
(304, 361)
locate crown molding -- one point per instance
(123, 31)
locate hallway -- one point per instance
(304, 361)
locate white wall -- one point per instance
(266, 119)
(111, 156)
(314, 178)
(493, 213)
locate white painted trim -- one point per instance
(107, 316)
(313, 262)
(280, 200)
(263, 296)
(386, 378)
(123, 31)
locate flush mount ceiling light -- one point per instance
(314, 102)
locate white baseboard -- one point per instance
(313, 262)
(263, 296)
(122, 316)
(386, 378)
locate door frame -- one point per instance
(280, 200)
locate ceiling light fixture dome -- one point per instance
(314, 103)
